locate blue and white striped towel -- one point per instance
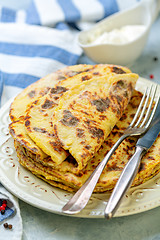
(40, 39)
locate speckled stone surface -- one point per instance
(42, 225)
(39, 224)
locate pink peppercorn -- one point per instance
(151, 76)
(3, 207)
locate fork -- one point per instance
(136, 128)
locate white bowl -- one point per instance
(143, 13)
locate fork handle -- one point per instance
(82, 196)
(124, 182)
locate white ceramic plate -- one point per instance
(36, 192)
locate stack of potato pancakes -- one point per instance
(64, 124)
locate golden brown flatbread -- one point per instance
(29, 95)
(41, 87)
(65, 178)
(39, 113)
(96, 96)
(87, 113)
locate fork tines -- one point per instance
(146, 102)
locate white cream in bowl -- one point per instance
(122, 35)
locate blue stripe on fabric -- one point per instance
(110, 7)
(8, 213)
(44, 51)
(62, 26)
(8, 15)
(1, 86)
(32, 16)
(18, 80)
(71, 13)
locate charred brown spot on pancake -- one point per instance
(56, 98)
(142, 166)
(11, 117)
(27, 123)
(133, 105)
(85, 78)
(79, 174)
(71, 106)
(47, 104)
(114, 132)
(58, 90)
(89, 122)
(35, 102)
(101, 104)
(61, 77)
(12, 132)
(85, 112)
(56, 135)
(31, 94)
(119, 98)
(132, 115)
(31, 106)
(130, 140)
(29, 129)
(85, 94)
(40, 130)
(116, 127)
(118, 70)
(84, 155)
(20, 135)
(71, 159)
(124, 116)
(96, 132)
(68, 119)
(102, 117)
(80, 132)
(87, 147)
(55, 130)
(114, 167)
(118, 85)
(44, 91)
(96, 73)
(34, 149)
(130, 87)
(125, 94)
(56, 146)
(109, 143)
(72, 73)
(151, 158)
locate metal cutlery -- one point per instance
(136, 128)
(129, 172)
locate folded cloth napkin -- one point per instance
(37, 41)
